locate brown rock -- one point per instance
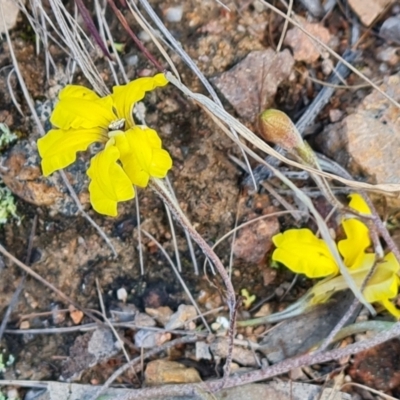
(160, 314)
(256, 77)
(149, 339)
(10, 15)
(88, 350)
(178, 319)
(160, 372)
(76, 315)
(246, 357)
(254, 240)
(304, 48)
(368, 10)
(378, 367)
(368, 140)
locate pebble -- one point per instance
(255, 80)
(304, 48)
(265, 310)
(161, 314)
(178, 319)
(390, 29)
(58, 316)
(174, 14)
(352, 142)
(11, 11)
(76, 315)
(142, 319)
(122, 294)
(24, 325)
(368, 10)
(148, 339)
(203, 351)
(163, 371)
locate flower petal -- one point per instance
(353, 247)
(381, 287)
(109, 183)
(384, 282)
(358, 203)
(58, 147)
(303, 253)
(142, 156)
(391, 308)
(125, 96)
(80, 107)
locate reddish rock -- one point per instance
(304, 48)
(251, 85)
(378, 367)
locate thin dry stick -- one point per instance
(285, 26)
(188, 238)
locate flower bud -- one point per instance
(276, 127)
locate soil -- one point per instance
(69, 253)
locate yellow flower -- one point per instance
(132, 154)
(302, 252)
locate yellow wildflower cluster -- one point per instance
(132, 154)
(302, 252)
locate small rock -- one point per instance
(265, 310)
(368, 140)
(122, 294)
(304, 48)
(335, 115)
(389, 54)
(58, 316)
(24, 325)
(160, 372)
(254, 240)
(124, 312)
(203, 351)
(314, 7)
(378, 367)
(147, 339)
(255, 77)
(76, 315)
(183, 314)
(269, 275)
(368, 10)
(87, 351)
(174, 14)
(161, 314)
(390, 29)
(12, 394)
(11, 11)
(241, 355)
(215, 326)
(142, 319)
